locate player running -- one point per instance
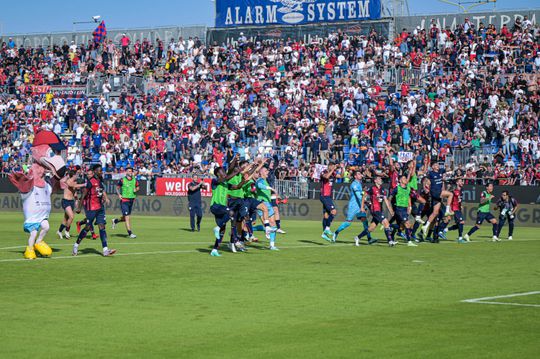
(457, 208)
(378, 196)
(126, 189)
(484, 214)
(508, 207)
(354, 208)
(68, 203)
(329, 209)
(94, 198)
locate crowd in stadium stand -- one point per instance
(469, 92)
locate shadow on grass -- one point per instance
(89, 251)
(204, 250)
(312, 242)
(187, 230)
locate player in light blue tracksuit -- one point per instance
(353, 210)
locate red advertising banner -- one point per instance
(179, 187)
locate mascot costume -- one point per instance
(36, 188)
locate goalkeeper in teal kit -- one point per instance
(353, 210)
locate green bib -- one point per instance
(236, 193)
(219, 194)
(263, 194)
(484, 208)
(402, 196)
(128, 188)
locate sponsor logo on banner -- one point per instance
(231, 13)
(179, 187)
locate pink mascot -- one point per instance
(36, 189)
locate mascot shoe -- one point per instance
(43, 249)
(29, 253)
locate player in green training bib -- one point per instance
(126, 189)
(484, 213)
(402, 194)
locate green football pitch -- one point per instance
(164, 296)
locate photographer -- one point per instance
(508, 206)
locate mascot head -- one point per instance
(45, 147)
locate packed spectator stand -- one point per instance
(467, 97)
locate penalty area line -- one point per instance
(489, 300)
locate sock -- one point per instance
(408, 233)
(343, 226)
(510, 228)
(68, 228)
(364, 233)
(415, 227)
(427, 224)
(129, 232)
(388, 233)
(453, 228)
(366, 226)
(494, 229)
(233, 233)
(82, 235)
(249, 225)
(460, 229)
(76, 245)
(472, 230)
(324, 223)
(420, 208)
(448, 209)
(115, 221)
(278, 224)
(103, 237)
(442, 226)
(61, 228)
(267, 223)
(330, 219)
(273, 237)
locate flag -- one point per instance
(100, 32)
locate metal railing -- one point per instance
(292, 189)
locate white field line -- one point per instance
(54, 244)
(151, 253)
(487, 300)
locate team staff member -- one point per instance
(508, 207)
(94, 199)
(195, 202)
(402, 193)
(126, 189)
(484, 214)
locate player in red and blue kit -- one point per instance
(437, 194)
(94, 199)
(456, 207)
(378, 196)
(329, 209)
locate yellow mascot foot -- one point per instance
(29, 253)
(43, 249)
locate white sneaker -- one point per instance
(392, 243)
(510, 238)
(419, 220)
(467, 238)
(496, 239)
(232, 247)
(357, 241)
(281, 231)
(132, 236)
(109, 252)
(75, 250)
(67, 235)
(411, 244)
(59, 234)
